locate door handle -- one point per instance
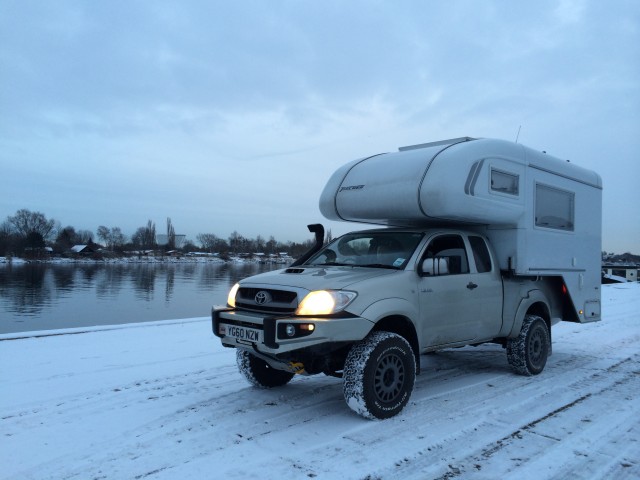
(471, 285)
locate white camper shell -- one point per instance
(541, 214)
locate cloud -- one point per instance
(249, 106)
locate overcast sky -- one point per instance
(232, 115)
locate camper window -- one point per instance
(504, 182)
(554, 208)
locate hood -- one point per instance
(317, 278)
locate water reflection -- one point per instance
(108, 284)
(44, 296)
(27, 290)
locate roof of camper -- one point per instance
(488, 147)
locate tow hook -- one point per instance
(296, 367)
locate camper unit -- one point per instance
(541, 214)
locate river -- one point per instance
(52, 296)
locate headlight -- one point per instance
(325, 302)
(231, 299)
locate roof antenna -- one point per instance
(518, 135)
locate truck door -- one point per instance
(489, 293)
(453, 307)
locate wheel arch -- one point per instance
(404, 327)
(535, 303)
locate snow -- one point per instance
(165, 400)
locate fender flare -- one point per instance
(390, 307)
(533, 297)
(405, 313)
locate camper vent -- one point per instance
(435, 144)
(294, 270)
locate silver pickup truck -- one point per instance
(365, 306)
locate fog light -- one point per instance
(290, 330)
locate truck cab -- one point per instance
(430, 288)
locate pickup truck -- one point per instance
(365, 307)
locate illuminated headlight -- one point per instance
(231, 299)
(325, 302)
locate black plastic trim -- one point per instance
(269, 325)
(318, 230)
(215, 319)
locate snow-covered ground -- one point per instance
(165, 401)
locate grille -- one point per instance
(281, 301)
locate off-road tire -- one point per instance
(527, 353)
(379, 375)
(259, 373)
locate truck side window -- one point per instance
(480, 254)
(450, 248)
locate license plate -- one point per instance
(241, 333)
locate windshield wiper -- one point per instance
(331, 264)
(378, 265)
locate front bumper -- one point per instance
(275, 341)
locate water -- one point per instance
(51, 296)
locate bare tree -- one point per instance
(84, 236)
(271, 245)
(145, 237)
(112, 237)
(234, 241)
(8, 238)
(150, 235)
(212, 243)
(328, 237)
(207, 240)
(259, 243)
(137, 239)
(27, 222)
(171, 235)
(66, 239)
(117, 237)
(103, 234)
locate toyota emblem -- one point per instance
(262, 297)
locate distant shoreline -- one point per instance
(151, 260)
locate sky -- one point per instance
(231, 116)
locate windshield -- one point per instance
(369, 249)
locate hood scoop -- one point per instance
(294, 270)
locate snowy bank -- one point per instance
(165, 401)
(145, 259)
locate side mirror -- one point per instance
(435, 266)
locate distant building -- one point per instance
(82, 249)
(163, 239)
(630, 272)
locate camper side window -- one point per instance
(504, 182)
(554, 208)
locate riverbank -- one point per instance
(200, 258)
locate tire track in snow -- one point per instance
(515, 452)
(192, 428)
